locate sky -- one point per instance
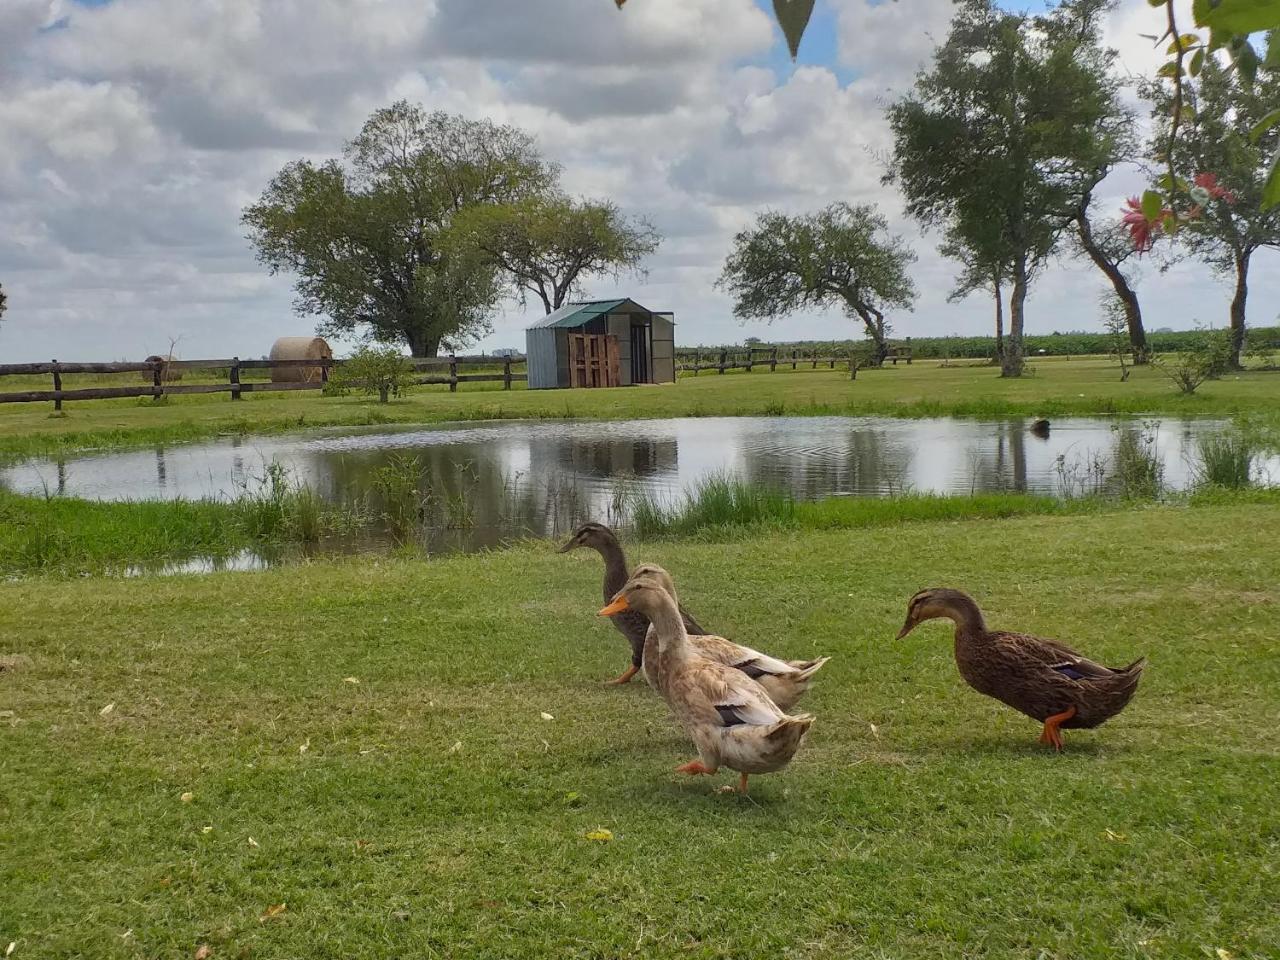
(133, 132)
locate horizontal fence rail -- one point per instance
(161, 373)
(772, 357)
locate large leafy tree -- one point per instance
(368, 235)
(1225, 165)
(545, 245)
(1004, 134)
(840, 256)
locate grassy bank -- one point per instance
(67, 536)
(1059, 387)
(364, 744)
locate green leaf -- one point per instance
(1156, 3)
(1271, 189)
(1272, 60)
(1152, 204)
(1201, 9)
(1187, 41)
(793, 16)
(1169, 69)
(1239, 16)
(1247, 64)
(1197, 61)
(1263, 125)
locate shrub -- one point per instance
(1207, 357)
(1226, 460)
(381, 370)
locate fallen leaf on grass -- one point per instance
(456, 747)
(204, 953)
(206, 829)
(253, 843)
(547, 716)
(272, 912)
(306, 746)
(875, 731)
(572, 797)
(350, 679)
(5, 714)
(1224, 954)
(361, 844)
(187, 797)
(107, 710)
(1116, 837)
(600, 834)
(13, 945)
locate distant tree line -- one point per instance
(1261, 339)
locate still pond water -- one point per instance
(541, 478)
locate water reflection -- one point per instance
(540, 478)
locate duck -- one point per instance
(1044, 679)
(786, 681)
(729, 717)
(631, 624)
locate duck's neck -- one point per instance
(615, 568)
(673, 639)
(966, 616)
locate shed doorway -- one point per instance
(640, 354)
(593, 360)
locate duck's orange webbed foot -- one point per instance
(694, 767)
(623, 677)
(1051, 735)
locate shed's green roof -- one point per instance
(576, 314)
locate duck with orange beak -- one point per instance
(730, 718)
(1045, 679)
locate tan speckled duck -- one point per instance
(729, 717)
(786, 681)
(1045, 679)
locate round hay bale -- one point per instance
(299, 348)
(168, 374)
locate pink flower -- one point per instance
(1141, 230)
(1209, 183)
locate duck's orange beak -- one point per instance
(619, 604)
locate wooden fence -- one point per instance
(754, 357)
(750, 358)
(161, 373)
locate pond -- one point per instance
(502, 480)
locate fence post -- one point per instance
(506, 372)
(697, 362)
(793, 359)
(57, 386)
(157, 379)
(234, 377)
(853, 366)
(831, 362)
(773, 360)
(324, 371)
(751, 359)
(453, 373)
(814, 357)
(908, 351)
(723, 355)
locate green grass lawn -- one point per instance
(363, 742)
(1058, 387)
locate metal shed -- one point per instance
(601, 343)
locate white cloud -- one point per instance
(135, 132)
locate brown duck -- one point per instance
(1046, 680)
(632, 624)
